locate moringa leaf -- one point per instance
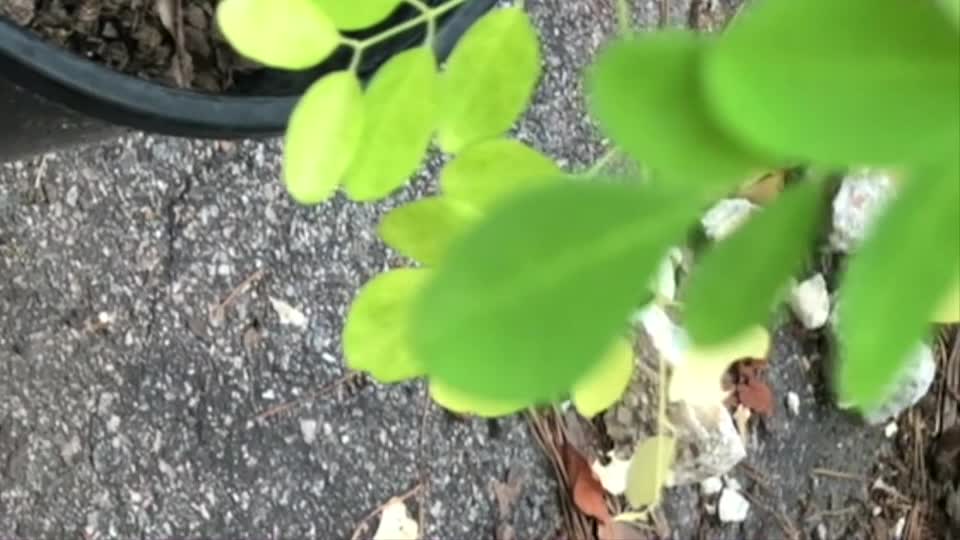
(645, 93)
(737, 283)
(485, 172)
(400, 119)
(902, 271)
(376, 334)
(606, 382)
(528, 300)
(857, 81)
(488, 79)
(357, 14)
(288, 34)
(322, 137)
(423, 229)
(649, 467)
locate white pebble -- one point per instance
(899, 527)
(309, 430)
(732, 507)
(793, 403)
(862, 195)
(725, 217)
(810, 302)
(890, 429)
(711, 486)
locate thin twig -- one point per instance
(219, 309)
(362, 526)
(283, 407)
(838, 474)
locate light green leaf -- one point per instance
(645, 93)
(738, 282)
(488, 79)
(648, 470)
(606, 381)
(357, 14)
(857, 81)
(902, 271)
(290, 34)
(422, 230)
(487, 171)
(400, 118)
(457, 401)
(527, 301)
(952, 9)
(322, 137)
(376, 334)
(948, 311)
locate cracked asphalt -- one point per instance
(142, 361)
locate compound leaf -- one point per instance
(485, 172)
(737, 283)
(322, 137)
(488, 79)
(400, 114)
(527, 300)
(645, 93)
(857, 81)
(376, 334)
(903, 270)
(606, 381)
(357, 14)
(423, 229)
(292, 34)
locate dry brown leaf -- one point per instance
(507, 493)
(588, 492)
(765, 189)
(751, 390)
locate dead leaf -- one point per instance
(507, 493)
(750, 388)
(765, 189)
(395, 523)
(288, 314)
(588, 494)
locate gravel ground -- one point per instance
(128, 407)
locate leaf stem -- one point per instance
(431, 21)
(623, 16)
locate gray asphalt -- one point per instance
(128, 407)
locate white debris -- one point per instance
(899, 527)
(890, 429)
(821, 532)
(308, 428)
(911, 384)
(70, 448)
(711, 486)
(876, 511)
(708, 443)
(667, 338)
(732, 507)
(725, 217)
(396, 524)
(810, 302)
(288, 314)
(793, 403)
(613, 476)
(663, 284)
(862, 195)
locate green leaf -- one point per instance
(376, 334)
(357, 14)
(464, 403)
(645, 93)
(606, 382)
(487, 171)
(648, 470)
(488, 79)
(292, 34)
(873, 81)
(903, 270)
(527, 301)
(423, 230)
(400, 118)
(739, 281)
(952, 9)
(322, 137)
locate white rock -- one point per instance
(288, 314)
(793, 403)
(711, 486)
(911, 385)
(732, 507)
(613, 476)
(899, 527)
(663, 284)
(821, 532)
(876, 511)
(890, 429)
(308, 428)
(863, 193)
(726, 216)
(667, 338)
(810, 302)
(708, 443)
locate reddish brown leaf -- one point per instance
(756, 396)
(588, 493)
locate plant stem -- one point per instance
(623, 16)
(604, 160)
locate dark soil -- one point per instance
(172, 41)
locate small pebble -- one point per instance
(308, 428)
(793, 403)
(899, 527)
(711, 486)
(732, 507)
(890, 429)
(821, 532)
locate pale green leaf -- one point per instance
(901, 273)
(356, 14)
(645, 93)
(322, 137)
(487, 171)
(457, 401)
(527, 301)
(948, 311)
(856, 81)
(606, 381)
(698, 379)
(952, 10)
(423, 229)
(488, 79)
(648, 470)
(400, 119)
(738, 282)
(376, 334)
(288, 34)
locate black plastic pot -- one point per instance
(51, 98)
